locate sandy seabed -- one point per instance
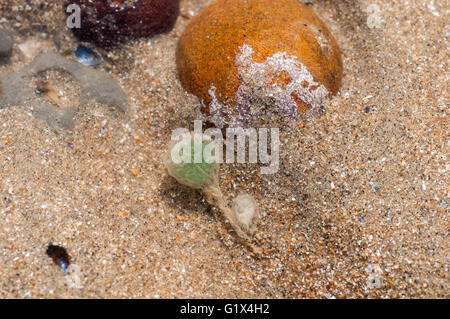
(358, 208)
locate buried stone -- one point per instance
(95, 85)
(6, 43)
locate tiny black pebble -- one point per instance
(59, 255)
(367, 109)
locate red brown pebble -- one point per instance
(109, 22)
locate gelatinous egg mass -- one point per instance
(187, 171)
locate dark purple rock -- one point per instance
(109, 22)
